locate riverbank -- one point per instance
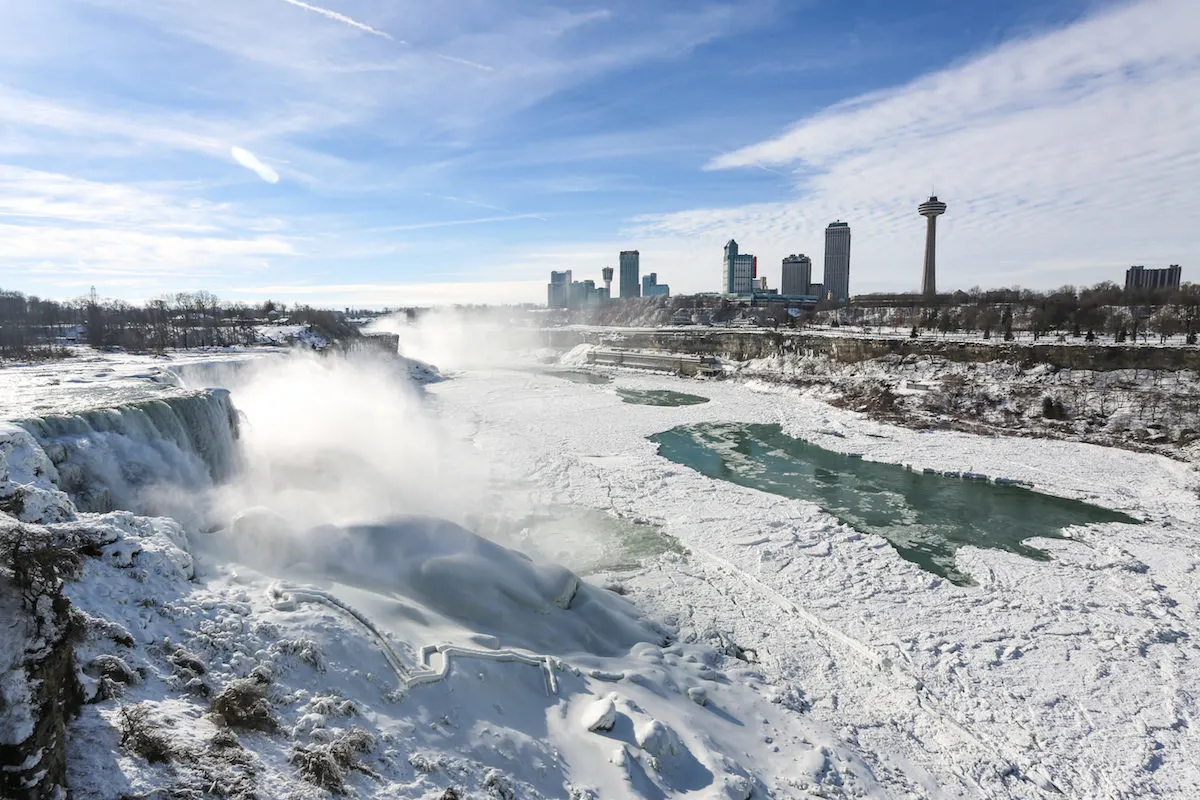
(1012, 393)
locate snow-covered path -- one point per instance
(1077, 675)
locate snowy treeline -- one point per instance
(31, 327)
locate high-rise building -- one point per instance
(558, 291)
(1140, 278)
(931, 209)
(652, 288)
(584, 294)
(797, 275)
(837, 261)
(607, 272)
(630, 267)
(738, 270)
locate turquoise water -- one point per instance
(660, 397)
(586, 541)
(926, 518)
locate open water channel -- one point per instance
(925, 517)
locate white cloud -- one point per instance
(252, 163)
(78, 231)
(1063, 157)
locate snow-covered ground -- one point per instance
(322, 638)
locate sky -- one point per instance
(404, 152)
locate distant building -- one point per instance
(558, 291)
(607, 272)
(837, 261)
(652, 288)
(738, 270)
(760, 283)
(1140, 278)
(816, 290)
(630, 267)
(797, 275)
(585, 294)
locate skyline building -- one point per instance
(558, 291)
(607, 272)
(931, 209)
(797, 275)
(585, 294)
(837, 261)
(630, 267)
(652, 288)
(1139, 277)
(738, 270)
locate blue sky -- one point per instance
(384, 152)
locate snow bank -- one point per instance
(449, 572)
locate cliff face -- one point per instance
(741, 345)
(39, 695)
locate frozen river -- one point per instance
(1066, 661)
(818, 610)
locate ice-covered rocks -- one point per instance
(600, 715)
(655, 738)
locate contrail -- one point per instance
(463, 61)
(325, 12)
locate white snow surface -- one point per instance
(856, 673)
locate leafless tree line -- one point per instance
(31, 327)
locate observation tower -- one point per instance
(931, 209)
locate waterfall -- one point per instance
(124, 457)
(212, 372)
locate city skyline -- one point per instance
(309, 152)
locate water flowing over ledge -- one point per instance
(112, 458)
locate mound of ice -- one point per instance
(454, 573)
(28, 479)
(577, 356)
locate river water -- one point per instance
(925, 517)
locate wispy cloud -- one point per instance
(252, 163)
(1057, 153)
(455, 222)
(81, 231)
(325, 12)
(100, 97)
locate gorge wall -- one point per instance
(741, 345)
